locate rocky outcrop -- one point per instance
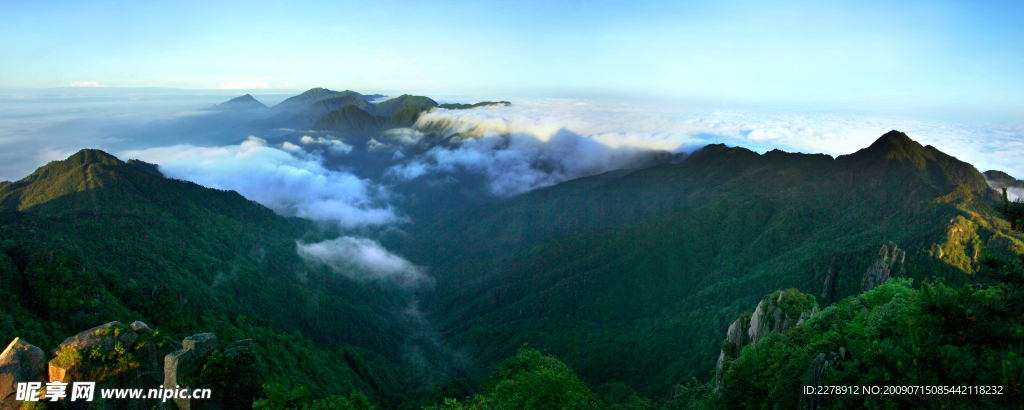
(20, 362)
(230, 375)
(99, 354)
(776, 313)
(771, 316)
(139, 327)
(882, 269)
(735, 338)
(815, 378)
(135, 356)
(182, 363)
(112, 355)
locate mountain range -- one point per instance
(622, 288)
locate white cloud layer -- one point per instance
(290, 184)
(36, 128)
(337, 147)
(519, 162)
(363, 259)
(85, 84)
(498, 139)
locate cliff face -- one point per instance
(884, 266)
(116, 356)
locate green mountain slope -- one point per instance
(932, 336)
(349, 119)
(392, 106)
(92, 239)
(323, 102)
(319, 109)
(301, 101)
(1000, 179)
(403, 118)
(634, 276)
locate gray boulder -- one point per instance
(139, 327)
(20, 362)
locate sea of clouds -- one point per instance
(679, 127)
(531, 144)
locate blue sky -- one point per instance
(928, 56)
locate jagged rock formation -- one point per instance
(20, 362)
(776, 313)
(772, 316)
(735, 338)
(881, 270)
(815, 377)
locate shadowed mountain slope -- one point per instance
(386, 108)
(349, 119)
(634, 276)
(321, 108)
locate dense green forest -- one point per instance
(895, 335)
(634, 276)
(92, 239)
(612, 291)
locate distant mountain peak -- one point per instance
(80, 159)
(894, 139)
(896, 153)
(895, 145)
(92, 156)
(245, 102)
(315, 92)
(999, 179)
(301, 101)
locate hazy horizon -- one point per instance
(945, 58)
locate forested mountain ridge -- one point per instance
(716, 173)
(312, 108)
(93, 239)
(634, 276)
(1000, 179)
(306, 98)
